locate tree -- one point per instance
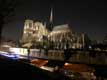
(67, 54)
(7, 8)
(87, 41)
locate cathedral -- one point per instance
(56, 37)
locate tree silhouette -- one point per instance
(87, 41)
(7, 8)
(67, 54)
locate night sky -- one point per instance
(88, 16)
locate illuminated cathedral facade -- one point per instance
(33, 31)
(59, 37)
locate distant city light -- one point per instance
(90, 47)
(66, 64)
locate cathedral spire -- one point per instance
(51, 19)
(51, 15)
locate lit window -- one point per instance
(25, 32)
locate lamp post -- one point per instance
(28, 56)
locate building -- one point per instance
(105, 40)
(61, 36)
(55, 37)
(33, 32)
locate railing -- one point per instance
(76, 56)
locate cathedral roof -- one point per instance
(64, 27)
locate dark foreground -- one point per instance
(17, 70)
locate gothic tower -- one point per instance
(51, 20)
(27, 32)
